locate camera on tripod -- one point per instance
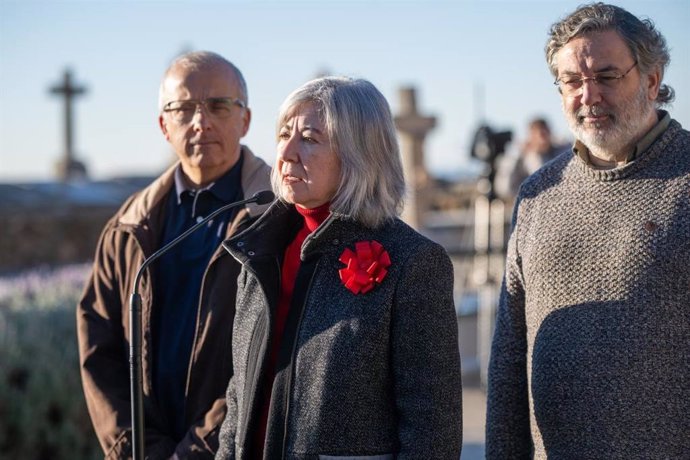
(488, 144)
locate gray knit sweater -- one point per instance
(591, 353)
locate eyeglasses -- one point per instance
(571, 85)
(217, 107)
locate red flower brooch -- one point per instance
(366, 266)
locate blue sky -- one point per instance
(469, 60)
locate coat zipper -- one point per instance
(288, 387)
(219, 253)
(254, 353)
(261, 351)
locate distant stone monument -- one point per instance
(68, 168)
(413, 129)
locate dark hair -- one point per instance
(539, 122)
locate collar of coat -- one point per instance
(271, 233)
(254, 179)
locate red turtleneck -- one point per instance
(291, 263)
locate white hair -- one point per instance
(360, 127)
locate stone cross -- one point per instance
(68, 167)
(413, 129)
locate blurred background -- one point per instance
(79, 133)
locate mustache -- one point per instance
(593, 111)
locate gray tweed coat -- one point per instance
(373, 375)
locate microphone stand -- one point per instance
(135, 369)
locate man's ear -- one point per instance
(653, 83)
(246, 119)
(163, 126)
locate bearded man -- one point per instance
(591, 353)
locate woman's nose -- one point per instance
(288, 149)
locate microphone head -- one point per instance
(263, 197)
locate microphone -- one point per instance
(135, 370)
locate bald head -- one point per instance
(201, 61)
(207, 142)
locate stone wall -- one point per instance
(51, 237)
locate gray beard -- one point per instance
(627, 124)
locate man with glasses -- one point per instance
(591, 352)
(188, 294)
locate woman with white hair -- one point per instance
(345, 334)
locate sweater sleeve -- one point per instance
(426, 358)
(508, 422)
